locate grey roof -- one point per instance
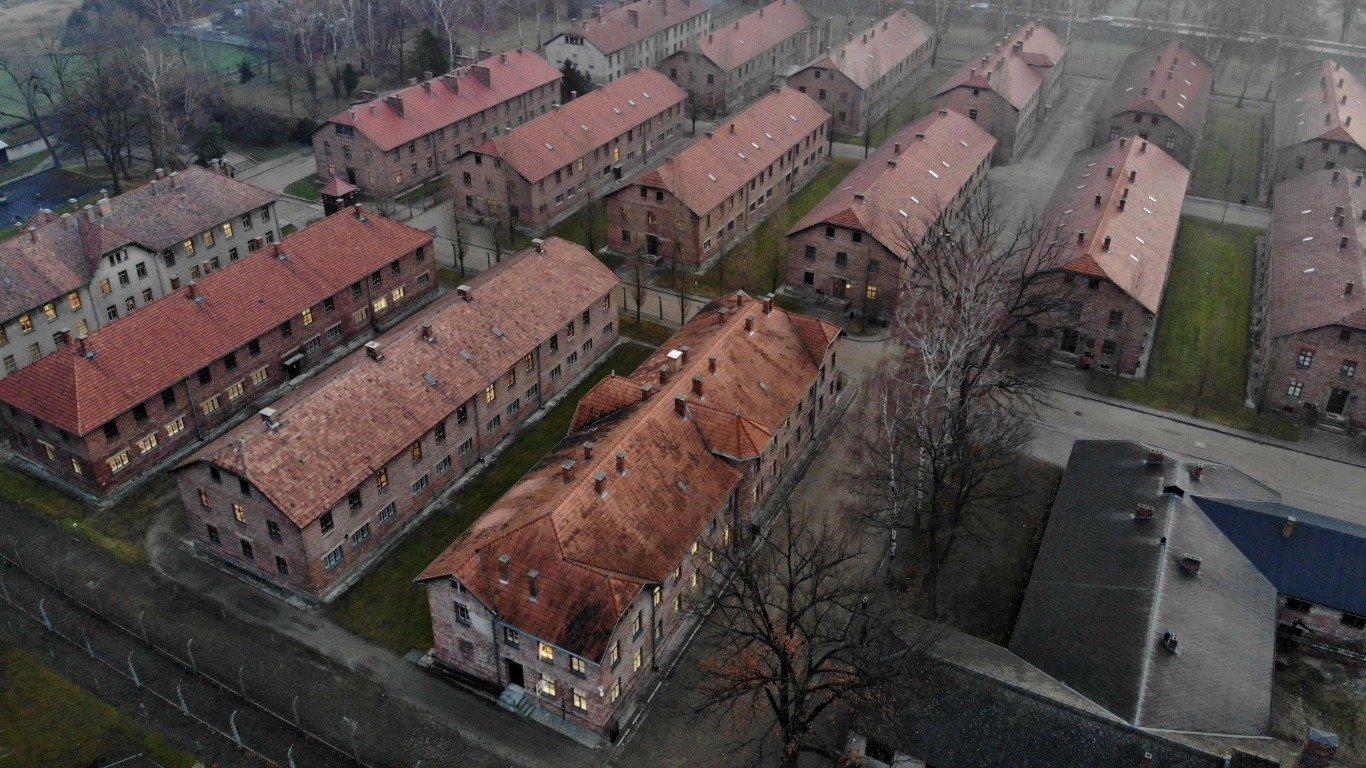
(956, 718)
(1319, 559)
(1105, 588)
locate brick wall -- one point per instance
(824, 260)
(441, 456)
(989, 110)
(1316, 156)
(845, 100)
(185, 418)
(1334, 356)
(1094, 299)
(728, 90)
(1325, 625)
(1158, 129)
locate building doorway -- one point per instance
(1337, 402)
(351, 176)
(294, 365)
(840, 288)
(1069, 342)
(652, 245)
(515, 675)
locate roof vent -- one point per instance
(1196, 472)
(269, 417)
(372, 350)
(1169, 640)
(621, 462)
(465, 292)
(1143, 512)
(1190, 564)
(538, 244)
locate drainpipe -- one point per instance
(654, 640)
(194, 418)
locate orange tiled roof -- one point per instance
(313, 459)
(615, 28)
(540, 146)
(1011, 75)
(713, 166)
(735, 44)
(448, 99)
(1310, 104)
(1310, 264)
(1167, 78)
(1141, 236)
(165, 341)
(594, 552)
(934, 158)
(61, 254)
(870, 54)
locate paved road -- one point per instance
(1233, 213)
(280, 172)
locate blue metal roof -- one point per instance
(1322, 561)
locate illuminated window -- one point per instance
(546, 652)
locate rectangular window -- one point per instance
(1305, 358)
(235, 390)
(510, 637)
(175, 427)
(443, 466)
(381, 479)
(545, 651)
(281, 565)
(307, 316)
(259, 375)
(495, 422)
(210, 405)
(387, 514)
(238, 513)
(462, 613)
(1297, 605)
(360, 535)
(1349, 368)
(333, 559)
(325, 523)
(273, 529)
(465, 447)
(213, 534)
(1295, 389)
(419, 485)
(578, 666)
(148, 443)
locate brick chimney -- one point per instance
(600, 483)
(567, 470)
(465, 292)
(588, 450)
(1081, 236)
(1143, 512)
(1190, 564)
(749, 324)
(395, 102)
(1098, 197)
(697, 386)
(106, 207)
(427, 332)
(663, 375)
(621, 462)
(646, 391)
(1319, 750)
(681, 406)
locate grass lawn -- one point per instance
(645, 331)
(17, 168)
(758, 263)
(386, 607)
(47, 721)
(308, 188)
(575, 230)
(120, 529)
(1230, 158)
(1199, 360)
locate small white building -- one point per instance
(620, 37)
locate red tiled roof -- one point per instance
(711, 167)
(1142, 235)
(444, 100)
(593, 553)
(928, 174)
(615, 29)
(167, 340)
(335, 187)
(313, 459)
(870, 54)
(731, 46)
(1309, 266)
(1013, 76)
(540, 146)
(60, 255)
(1176, 79)
(1311, 105)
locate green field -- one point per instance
(386, 606)
(1230, 158)
(47, 721)
(1199, 360)
(121, 529)
(307, 188)
(758, 264)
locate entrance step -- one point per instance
(513, 698)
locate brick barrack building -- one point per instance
(1116, 212)
(308, 501)
(854, 247)
(694, 205)
(67, 275)
(736, 63)
(1161, 94)
(859, 80)
(1309, 315)
(1008, 89)
(571, 591)
(544, 170)
(1319, 121)
(414, 134)
(621, 37)
(106, 410)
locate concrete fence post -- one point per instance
(133, 671)
(289, 757)
(241, 682)
(232, 726)
(4, 589)
(180, 696)
(42, 610)
(189, 651)
(143, 628)
(85, 640)
(298, 725)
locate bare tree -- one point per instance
(32, 97)
(175, 17)
(939, 22)
(170, 97)
(99, 109)
(460, 233)
(803, 631)
(446, 16)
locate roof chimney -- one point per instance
(646, 390)
(711, 364)
(621, 462)
(193, 295)
(697, 386)
(1197, 472)
(1143, 512)
(567, 470)
(1351, 284)
(1335, 179)
(1154, 458)
(33, 234)
(1081, 236)
(269, 418)
(588, 450)
(106, 208)
(1133, 175)
(465, 292)
(1110, 169)
(1122, 142)
(1105, 244)
(663, 375)
(1143, 147)
(1098, 201)
(1122, 202)
(600, 483)
(681, 406)
(1288, 527)
(427, 332)
(768, 304)
(1190, 564)
(372, 350)
(538, 244)
(749, 323)
(896, 148)
(1169, 640)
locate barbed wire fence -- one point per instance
(221, 703)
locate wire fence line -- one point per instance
(227, 709)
